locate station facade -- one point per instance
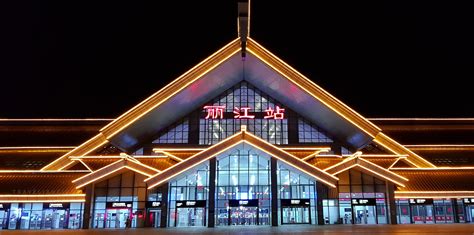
(240, 139)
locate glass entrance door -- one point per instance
(469, 213)
(243, 215)
(296, 215)
(54, 218)
(422, 214)
(116, 218)
(187, 217)
(155, 218)
(364, 215)
(3, 219)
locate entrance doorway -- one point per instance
(154, 215)
(364, 215)
(188, 217)
(3, 219)
(422, 214)
(469, 213)
(243, 216)
(295, 211)
(117, 218)
(55, 218)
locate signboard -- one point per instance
(363, 201)
(119, 204)
(295, 202)
(190, 204)
(153, 204)
(420, 201)
(56, 205)
(4, 206)
(244, 203)
(218, 112)
(468, 200)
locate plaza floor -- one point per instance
(453, 229)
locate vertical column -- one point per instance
(454, 204)
(164, 205)
(86, 218)
(212, 192)
(274, 186)
(392, 208)
(321, 193)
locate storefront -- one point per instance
(154, 213)
(466, 210)
(57, 215)
(425, 211)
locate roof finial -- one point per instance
(243, 25)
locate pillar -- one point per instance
(392, 207)
(321, 193)
(274, 186)
(454, 203)
(164, 205)
(86, 218)
(212, 193)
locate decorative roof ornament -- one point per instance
(243, 24)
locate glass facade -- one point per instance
(294, 188)
(188, 195)
(243, 176)
(359, 199)
(119, 201)
(51, 215)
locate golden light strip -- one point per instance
(187, 168)
(382, 169)
(422, 119)
(288, 163)
(85, 165)
(53, 119)
(437, 168)
(318, 87)
(393, 164)
(143, 165)
(100, 169)
(314, 154)
(75, 149)
(42, 195)
(121, 127)
(381, 138)
(384, 155)
(65, 166)
(40, 171)
(306, 148)
(177, 149)
(171, 156)
(354, 156)
(28, 201)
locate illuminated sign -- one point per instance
(196, 203)
(119, 204)
(295, 202)
(246, 203)
(363, 201)
(468, 200)
(153, 204)
(54, 205)
(421, 201)
(218, 112)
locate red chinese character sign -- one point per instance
(218, 111)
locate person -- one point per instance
(326, 219)
(128, 222)
(346, 217)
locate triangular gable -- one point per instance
(367, 167)
(116, 168)
(231, 142)
(219, 72)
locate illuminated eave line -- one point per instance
(352, 158)
(421, 119)
(64, 157)
(393, 164)
(27, 201)
(100, 169)
(382, 169)
(112, 172)
(37, 147)
(348, 109)
(85, 165)
(43, 172)
(187, 168)
(55, 119)
(436, 169)
(42, 195)
(422, 192)
(164, 89)
(285, 152)
(383, 176)
(172, 156)
(177, 149)
(306, 172)
(306, 148)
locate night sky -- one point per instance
(97, 59)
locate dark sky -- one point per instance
(97, 59)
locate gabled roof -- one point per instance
(221, 71)
(231, 142)
(118, 167)
(367, 167)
